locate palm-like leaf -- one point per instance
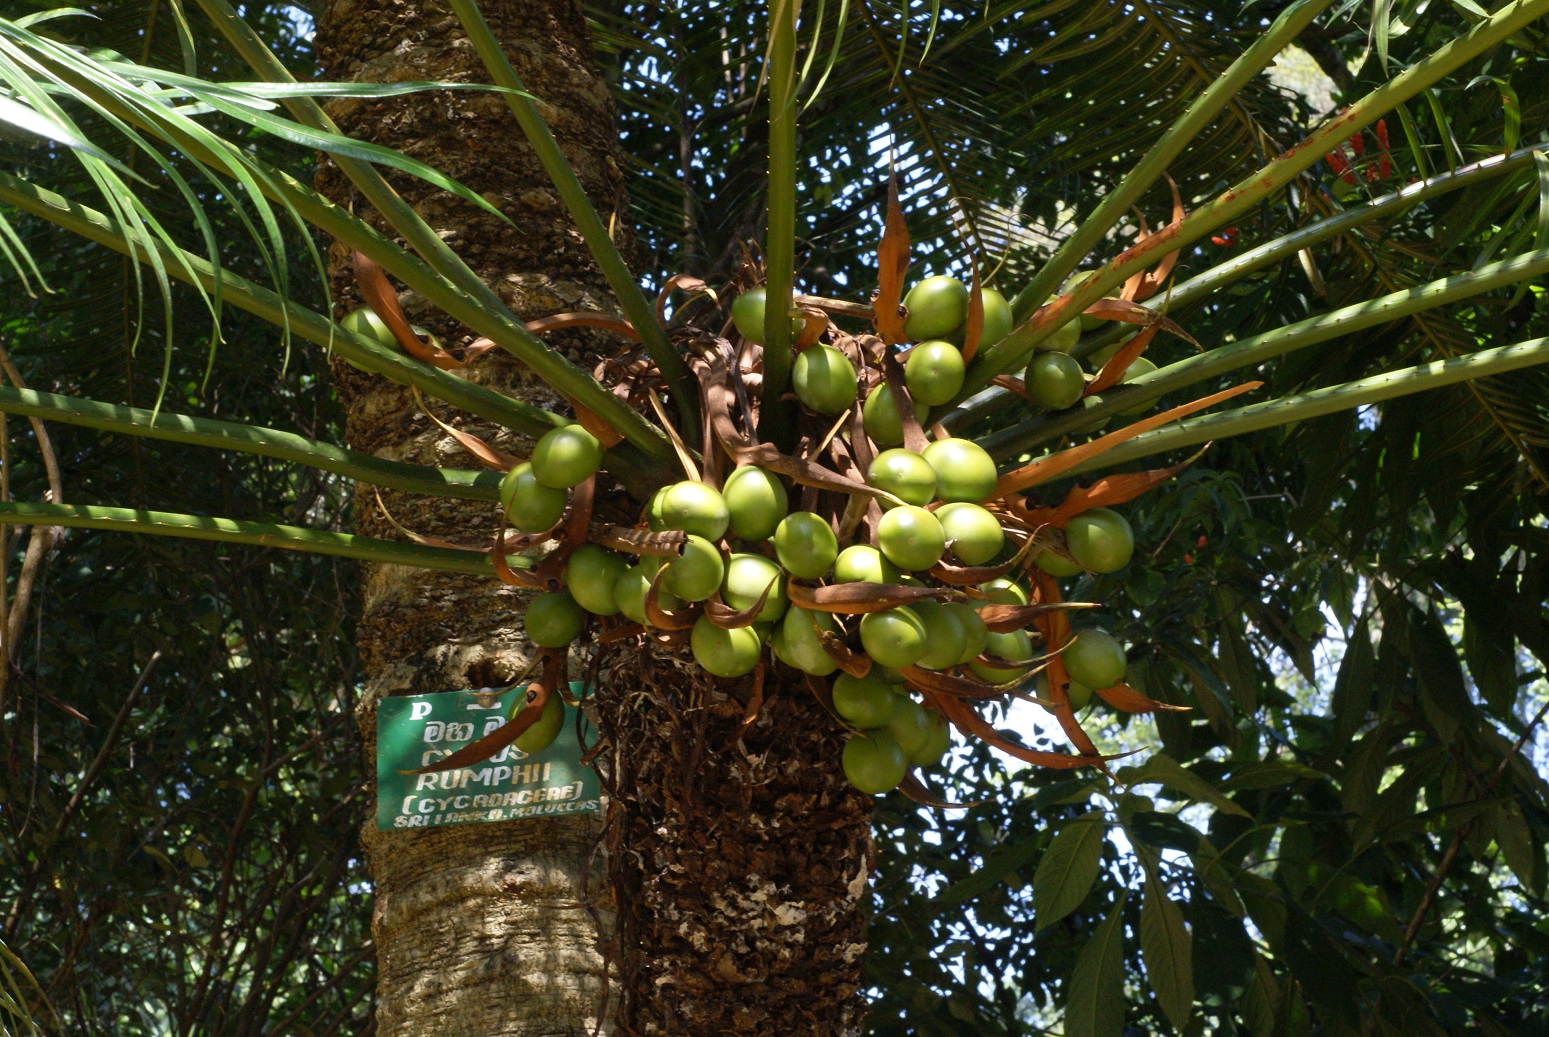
(937, 165)
(1508, 412)
(117, 90)
(83, 334)
(1005, 130)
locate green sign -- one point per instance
(418, 730)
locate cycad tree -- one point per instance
(735, 849)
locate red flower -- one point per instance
(1341, 165)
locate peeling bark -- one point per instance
(740, 864)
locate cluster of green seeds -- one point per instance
(743, 545)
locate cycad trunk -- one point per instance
(737, 865)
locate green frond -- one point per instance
(252, 439)
(1246, 357)
(1003, 133)
(452, 285)
(1322, 402)
(18, 988)
(256, 534)
(357, 350)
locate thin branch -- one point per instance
(261, 534)
(1458, 837)
(101, 758)
(340, 974)
(13, 615)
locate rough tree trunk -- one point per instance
(739, 863)
(480, 929)
(737, 867)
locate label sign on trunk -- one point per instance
(417, 730)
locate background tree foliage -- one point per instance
(181, 785)
(1345, 834)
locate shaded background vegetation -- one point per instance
(1353, 608)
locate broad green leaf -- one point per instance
(1260, 1002)
(1443, 693)
(1005, 860)
(1488, 648)
(1237, 666)
(1163, 831)
(1266, 774)
(1266, 906)
(1168, 772)
(1515, 839)
(1167, 949)
(1326, 970)
(1209, 693)
(1353, 687)
(1212, 873)
(1403, 1011)
(1132, 804)
(1390, 817)
(1094, 1006)
(1068, 869)
(1511, 114)
(1069, 790)
(1362, 903)
(1222, 953)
